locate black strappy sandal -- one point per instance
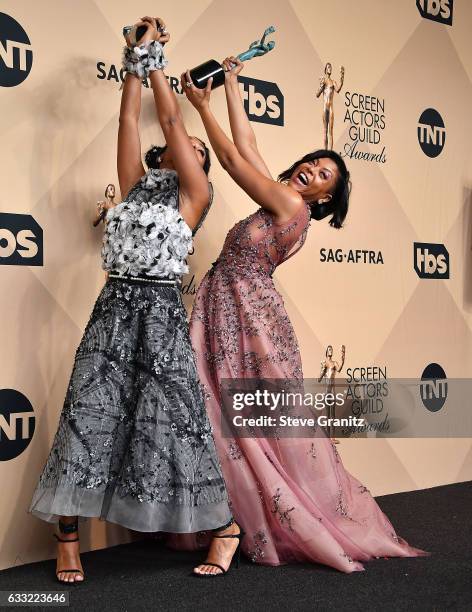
(236, 556)
(68, 528)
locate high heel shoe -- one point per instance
(236, 556)
(68, 528)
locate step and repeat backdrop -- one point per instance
(394, 285)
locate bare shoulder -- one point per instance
(292, 203)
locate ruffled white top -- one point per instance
(146, 234)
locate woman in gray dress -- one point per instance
(134, 445)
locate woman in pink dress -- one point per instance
(293, 497)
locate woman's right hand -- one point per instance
(232, 67)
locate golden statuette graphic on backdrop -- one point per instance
(329, 369)
(328, 87)
(103, 206)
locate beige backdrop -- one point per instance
(58, 152)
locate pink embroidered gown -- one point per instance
(292, 496)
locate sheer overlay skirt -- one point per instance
(134, 445)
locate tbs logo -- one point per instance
(436, 10)
(433, 387)
(17, 422)
(16, 56)
(21, 241)
(431, 132)
(263, 101)
(431, 260)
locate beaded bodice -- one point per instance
(257, 244)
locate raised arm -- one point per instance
(193, 183)
(343, 356)
(241, 130)
(129, 164)
(275, 197)
(341, 81)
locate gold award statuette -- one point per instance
(329, 369)
(328, 87)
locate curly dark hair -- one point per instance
(152, 156)
(339, 203)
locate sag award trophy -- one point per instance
(212, 68)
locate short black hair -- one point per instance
(152, 155)
(339, 203)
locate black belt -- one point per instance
(143, 278)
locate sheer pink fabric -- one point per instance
(293, 497)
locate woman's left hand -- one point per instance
(157, 29)
(199, 98)
(232, 67)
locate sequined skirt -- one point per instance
(134, 445)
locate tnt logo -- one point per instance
(431, 260)
(433, 387)
(16, 55)
(431, 132)
(263, 101)
(436, 10)
(17, 422)
(21, 241)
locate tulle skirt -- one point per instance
(134, 444)
(293, 496)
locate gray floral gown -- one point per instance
(134, 445)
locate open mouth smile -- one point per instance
(303, 179)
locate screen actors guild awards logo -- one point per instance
(367, 393)
(328, 87)
(365, 115)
